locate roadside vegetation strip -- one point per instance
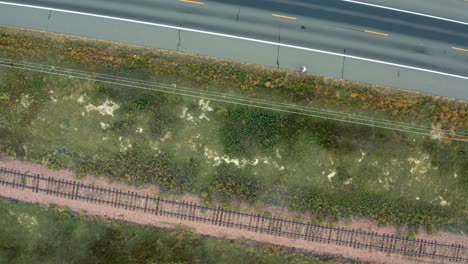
(245, 101)
(322, 92)
(276, 226)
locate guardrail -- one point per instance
(190, 211)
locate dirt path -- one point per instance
(208, 229)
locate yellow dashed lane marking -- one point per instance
(192, 2)
(283, 16)
(460, 49)
(376, 33)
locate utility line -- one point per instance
(230, 99)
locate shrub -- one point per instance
(230, 182)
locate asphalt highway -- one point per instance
(330, 25)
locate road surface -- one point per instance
(329, 25)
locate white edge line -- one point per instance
(236, 37)
(406, 11)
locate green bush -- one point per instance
(245, 129)
(339, 203)
(55, 160)
(230, 182)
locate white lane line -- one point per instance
(406, 11)
(236, 37)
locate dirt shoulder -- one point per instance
(204, 228)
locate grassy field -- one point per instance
(229, 153)
(38, 234)
(231, 77)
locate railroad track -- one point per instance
(281, 227)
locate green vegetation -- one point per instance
(38, 234)
(231, 153)
(231, 77)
